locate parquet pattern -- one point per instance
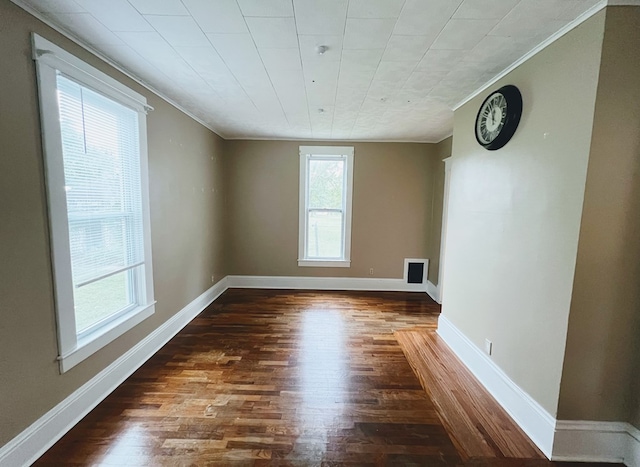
(291, 378)
(273, 378)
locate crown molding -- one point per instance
(75, 39)
(72, 37)
(69, 35)
(543, 45)
(327, 141)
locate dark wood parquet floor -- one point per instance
(266, 377)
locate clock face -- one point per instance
(492, 117)
(498, 117)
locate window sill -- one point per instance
(324, 263)
(90, 344)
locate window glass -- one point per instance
(102, 182)
(95, 154)
(324, 235)
(326, 176)
(326, 184)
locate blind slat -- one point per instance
(102, 182)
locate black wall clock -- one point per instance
(498, 117)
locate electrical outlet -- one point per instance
(213, 279)
(371, 271)
(488, 346)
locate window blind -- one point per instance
(100, 145)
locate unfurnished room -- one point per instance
(319, 232)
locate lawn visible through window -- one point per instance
(98, 300)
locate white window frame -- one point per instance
(73, 348)
(325, 152)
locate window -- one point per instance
(94, 139)
(326, 185)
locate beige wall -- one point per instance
(186, 222)
(441, 151)
(604, 331)
(231, 207)
(392, 190)
(514, 215)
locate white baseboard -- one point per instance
(588, 441)
(561, 440)
(323, 283)
(632, 457)
(25, 448)
(434, 292)
(532, 418)
(29, 445)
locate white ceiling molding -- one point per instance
(345, 141)
(623, 3)
(29, 9)
(391, 70)
(572, 25)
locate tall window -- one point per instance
(94, 135)
(326, 185)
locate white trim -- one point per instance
(56, 57)
(50, 58)
(562, 440)
(103, 335)
(332, 141)
(575, 440)
(348, 210)
(326, 150)
(56, 202)
(308, 153)
(588, 441)
(322, 283)
(425, 273)
(544, 44)
(25, 448)
(425, 270)
(324, 263)
(434, 292)
(443, 230)
(632, 457)
(534, 420)
(302, 206)
(69, 35)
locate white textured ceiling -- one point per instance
(392, 71)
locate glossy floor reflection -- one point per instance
(323, 373)
(273, 378)
(276, 378)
